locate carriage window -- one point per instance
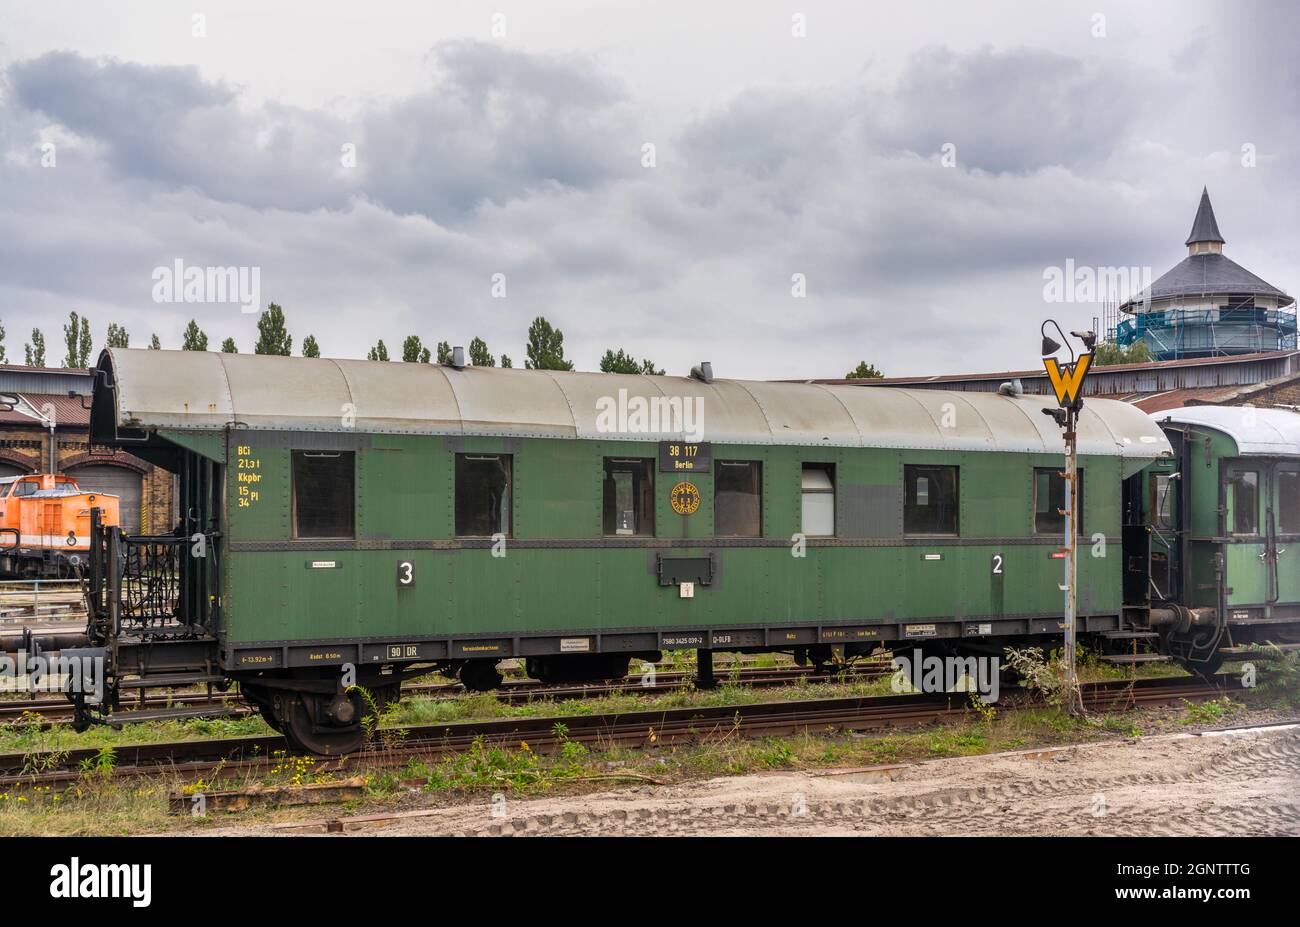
(1049, 499)
(1244, 502)
(1162, 500)
(818, 500)
(929, 500)
(483, 495)
(738, 499)
(323, 496)
(629, 496)
(27, 488)
(1288, 501)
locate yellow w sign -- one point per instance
(1067, 381)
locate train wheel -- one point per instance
(326, 726)
(260, 699)
(269, 717)
(480, 675)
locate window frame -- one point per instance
(1230, 508)
(956, 502)
(1083, 500)
(298, 453)
(829, 470)
(1293, 470)
(508, 506)
(717, 495)
(649, 463)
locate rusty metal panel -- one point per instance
(526, 403)
(164, 389)
(802, 413)
(401, 397)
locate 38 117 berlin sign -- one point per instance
(685, 457)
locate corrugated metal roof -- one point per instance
(66, 410)
(196, 390)
(1258, 432)
(1097, 373)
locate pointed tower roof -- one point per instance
(1204, 227)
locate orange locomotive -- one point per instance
(45, 523)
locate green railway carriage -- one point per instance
(1224, 518)
(382, 517)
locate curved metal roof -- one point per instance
(1258, 432)
(206, 391)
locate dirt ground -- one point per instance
(1232, 784)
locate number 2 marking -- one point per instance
(997, 564)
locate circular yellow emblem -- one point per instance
(685, 498)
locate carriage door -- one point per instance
(1247, 520)
(1164, 517)
(1283, 506)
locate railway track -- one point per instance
(232, 757)
(58, 710)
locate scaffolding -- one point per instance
(1239, 327)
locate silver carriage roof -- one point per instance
(207, 391)
(1258, 432)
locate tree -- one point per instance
(228, 346)
(545, 347)
(1108, 353)
(154, 343)
(309, 347)
(3, 359)
(379, 352)
(413, 352)
(36, 350)
(194, 339)
(864, 371)
(117, 337)
(622, 362)
(272, 337)
(444, 352)
(506, 362)
(76, 335)
(478, 354)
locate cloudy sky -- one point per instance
(788, 138)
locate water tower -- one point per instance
(1208, 305)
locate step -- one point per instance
(118, 718)
(170, 679)
(1238, 653)
(1128, 659)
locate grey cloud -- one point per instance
(492, 126)
(528, 165)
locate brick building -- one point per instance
(42, 408)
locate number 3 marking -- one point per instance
(405, 573)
